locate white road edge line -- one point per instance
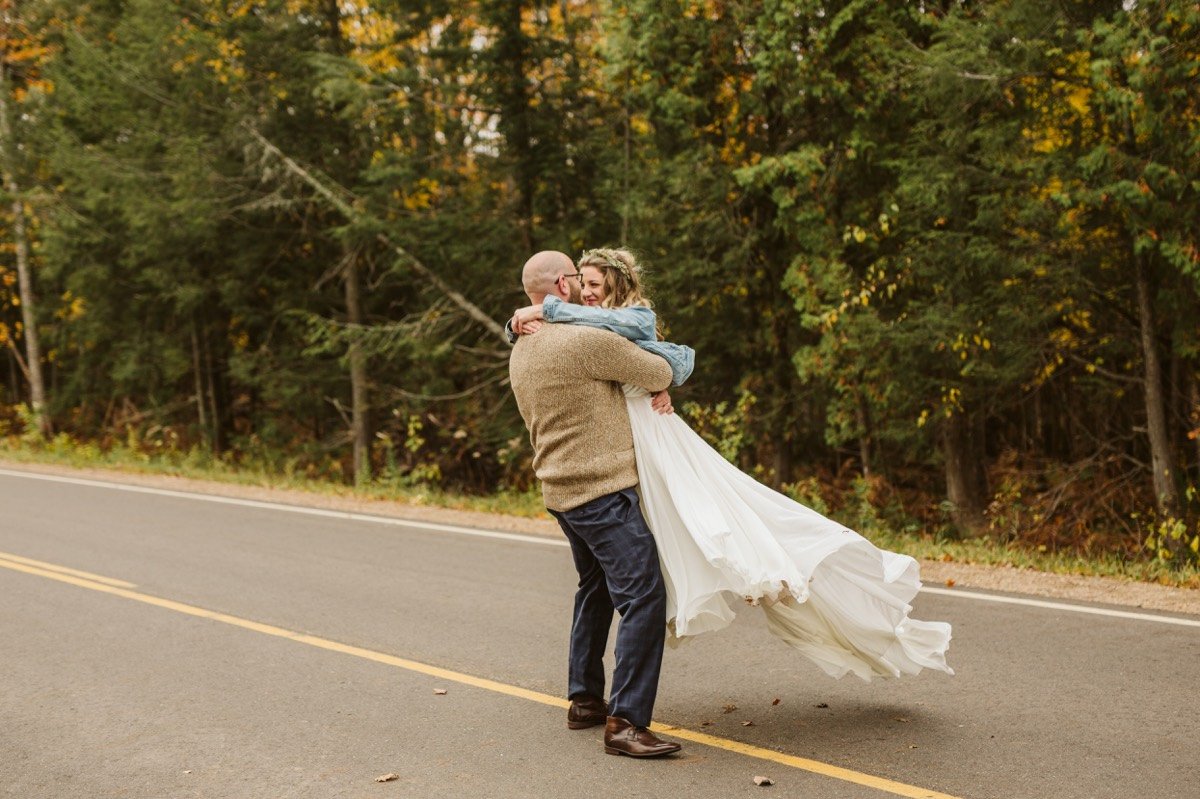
(1041, 603)
(254, 503)
(529, 539)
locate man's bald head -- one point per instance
(541, 276)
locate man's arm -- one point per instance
(635, 323)
(611, 357)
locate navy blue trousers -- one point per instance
(617, 561)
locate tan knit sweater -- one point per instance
(567, 382)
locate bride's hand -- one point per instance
(660, 401)
(527, 320)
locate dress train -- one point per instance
(825, 589)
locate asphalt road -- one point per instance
(173, 646)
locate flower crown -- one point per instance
(610, 259)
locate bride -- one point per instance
(721, 535)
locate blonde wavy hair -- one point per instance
(622, 276)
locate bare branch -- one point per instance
(17, 353)
(459, 395)
(350, 213)
(1107, 373)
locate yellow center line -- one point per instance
(115, 587)
(65, 570)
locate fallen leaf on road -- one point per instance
(901, 719)
(729, 708)
(763, 781)
(747, 723)
(705, 723)
(440, 691)
(776, 702)
(822, 704)
(950, 583)
(387, 778)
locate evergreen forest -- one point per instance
(938, 258)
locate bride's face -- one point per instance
(593, 286)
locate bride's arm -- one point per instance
(635, 323)
(680, 357)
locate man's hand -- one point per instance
(660, 401)
(527, 320)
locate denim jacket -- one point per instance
(635, 323)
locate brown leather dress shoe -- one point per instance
(586, 711)
(622, 738)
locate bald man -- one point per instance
(567, 381)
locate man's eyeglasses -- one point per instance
(578, 275)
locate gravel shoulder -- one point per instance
(1107, 590)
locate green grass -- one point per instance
(889, 527)
(199, 465)
(986, 551)
(888, 532)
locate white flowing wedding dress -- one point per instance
(722, 536)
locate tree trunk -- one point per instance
(1194, 415)
(783, 464)
(359, 398)
(783, 426)
(1165, 478)
(966, 483)
(864, 437)
(33, 348)
(14, 383)
(1176, 403)
(511, 54)
(200, 396)
(1038, 422)
(218, 437)
(625, 155)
